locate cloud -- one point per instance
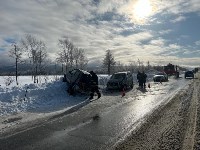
(95, 25)
(197, 43)
(159, 42)
(178, 19)
(164, 32)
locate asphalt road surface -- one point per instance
(101, 124)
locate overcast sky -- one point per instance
(158, 31)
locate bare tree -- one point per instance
(109, 61)
(119, 66)
(16, 53)
(36, 50)
(140, 65)
(70, 55)
(148, 65)
(133, 66)
(64, 54)
(80, 58)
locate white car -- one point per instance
(120, 80)
(160, 77)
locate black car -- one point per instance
(78, 80)
(189, 74)
(120, 80)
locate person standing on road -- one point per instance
(144, 79)
(94, 85)
(139, 78)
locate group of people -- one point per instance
(142, 77)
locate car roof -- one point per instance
(124, 72)
(83, 71)
(189, 71)
(159, 75)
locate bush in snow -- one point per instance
(8, 80)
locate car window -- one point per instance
(75, 75)
(118, 76)
(73, 72)
(189, 72)
(160, 73)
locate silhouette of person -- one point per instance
(143, 79)
(94, 85)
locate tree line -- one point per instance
(33, 52)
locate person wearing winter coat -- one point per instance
(143, 79)
(139, 78)
(94, 85)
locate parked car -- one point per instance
(160, 77)
(120, 80)
(78, 80)
(189, 74)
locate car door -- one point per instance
(74, 75)
(129, 79)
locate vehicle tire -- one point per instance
(131, 85)
(123, 87)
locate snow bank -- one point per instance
(48, 96)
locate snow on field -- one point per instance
(49, 95)
(46, 96)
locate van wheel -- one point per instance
(123, 87)
(131, 85)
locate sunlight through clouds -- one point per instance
(135, 28)
(142, 10)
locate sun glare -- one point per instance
(142, 10)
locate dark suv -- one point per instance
(120, 80)
(78, 80)
(189, 74)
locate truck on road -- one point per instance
(171, 69)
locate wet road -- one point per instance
(98, 125)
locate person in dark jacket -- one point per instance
(139, 78)
(144, 79)
(94, 85)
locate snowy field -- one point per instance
(46, 96)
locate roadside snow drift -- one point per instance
(43, 97)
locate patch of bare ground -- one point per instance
(176, 126)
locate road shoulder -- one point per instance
(172, 127)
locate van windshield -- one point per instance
(118, 76)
